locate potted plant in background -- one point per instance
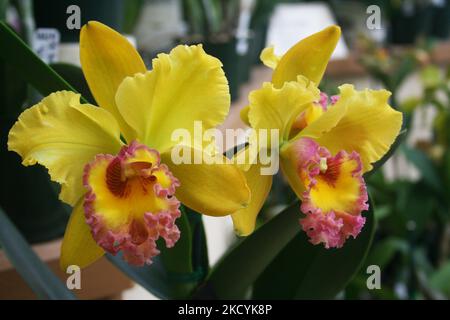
(409, 20)
(214, 24)
(441, 19)
(259, 26)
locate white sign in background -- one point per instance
(46, 44)
(292, 22)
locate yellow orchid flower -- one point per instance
(325, 146)
(114, 162)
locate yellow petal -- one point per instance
(308, 58)
(212, 189)
(64, 135)
(368, 127)
(78, 247)
(244, 220)
(184, 86)
(272, 108)
(107, 58)
(269, 58)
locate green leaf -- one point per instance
(200, 259)
(431, 77)
(384, 251)
(418, 205)
(171, 275)
(406, 66)
(440, 280)
(426, 167)
(305, 271)
(178, 260)
(132, 11)
(212, 15)
(242, 265)
(30, 67)
(193, 13)
(33, 271)
(153, 278)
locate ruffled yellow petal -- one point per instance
(184, 86)
(272, 108)
(107, 58)
(212, 189)
(78, 247)
(64, 135)
(308, 58)
(269, 58)
(244, 220)
(369, 125)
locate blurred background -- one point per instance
(400, 45)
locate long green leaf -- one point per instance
(440, 280)
(237, 271)
(31, 68)
(212, 15)
(305, 271)
(178, 259)
(426, 167)
(35, 273)
(153, 278)
(193, 13)
(200, 259)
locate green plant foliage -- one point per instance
(304, 271)
(426, 167)
(287, 265)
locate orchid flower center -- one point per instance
(335, 194)
(130, 203)
(312, 113)
(323, 165)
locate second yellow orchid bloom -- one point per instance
(325, 146)
(114, 162)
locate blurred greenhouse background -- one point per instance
(407, 52)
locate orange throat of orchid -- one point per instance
(335, 194)
(130, 203)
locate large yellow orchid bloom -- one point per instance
(324, 147)
(113, 163)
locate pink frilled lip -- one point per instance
(136, 240)
(330, 228)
